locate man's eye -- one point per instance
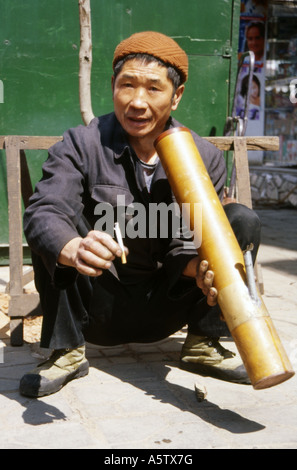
(125, 85)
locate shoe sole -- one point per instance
(54, 386)
(210, 371)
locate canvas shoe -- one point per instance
(51, 375)
(206, 356)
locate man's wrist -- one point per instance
(68, 253)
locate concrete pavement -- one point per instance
(135, 397)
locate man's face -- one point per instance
(143, 98)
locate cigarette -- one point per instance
(120, 242)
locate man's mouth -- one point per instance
(137, 120)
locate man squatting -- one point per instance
(86, 293)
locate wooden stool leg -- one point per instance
(15, 231)
(16, 331)
(244, 189)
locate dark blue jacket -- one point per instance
(95, 164)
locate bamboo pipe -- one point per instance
(248, 320)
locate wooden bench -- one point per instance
(19, 187)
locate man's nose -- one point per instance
(139, 98)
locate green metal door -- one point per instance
(39, 46)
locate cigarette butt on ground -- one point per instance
(200, 391)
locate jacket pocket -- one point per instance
(114, 195)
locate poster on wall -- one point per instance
(252, 37)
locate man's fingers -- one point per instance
(204, 280)
(101, 245)
(96, 252)
(202, 268)
(87, 270)
(106, 245)
(201, 271)
(208, 279)
(204, 276)
(212, 297)
(99, 259)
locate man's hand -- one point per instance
(204, 278)
(90, 255)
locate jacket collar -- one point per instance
(121, 142)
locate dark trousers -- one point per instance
(106, 312)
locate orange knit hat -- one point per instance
(157, 45)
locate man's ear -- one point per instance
(112, 84)
(177, 97)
